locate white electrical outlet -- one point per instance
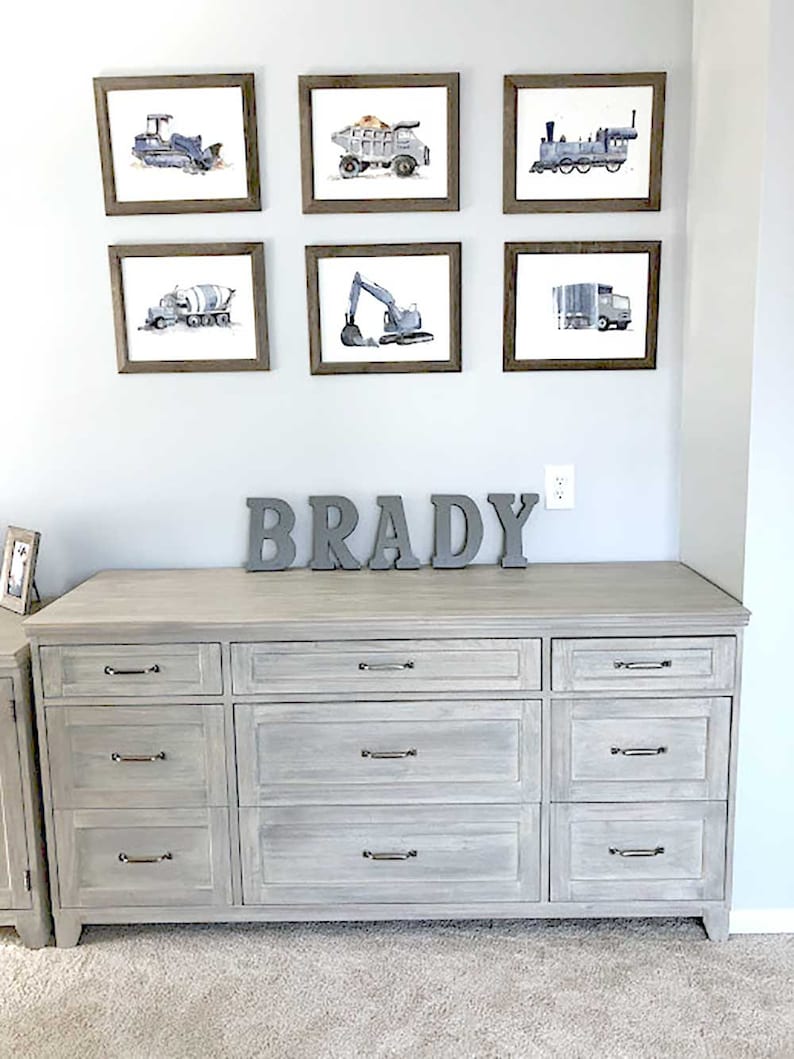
(559, 486)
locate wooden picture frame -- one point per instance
(448, 198)
(323, 363)
(580, 158)
(255, 307)
(571, 318)
(196, 165)
(18, 570)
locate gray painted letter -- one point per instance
(392, 511)
(513, 552)
(329, 551)
(279, 533)
(443, 556)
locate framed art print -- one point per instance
(384, 308)
(583, 143)
(379, 143)
(581, 306)
(18, 569)
(182, 143)
(189, 307)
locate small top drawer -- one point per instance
(111, 670)
(696, 663)
(386, 665)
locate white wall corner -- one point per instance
(762, 921)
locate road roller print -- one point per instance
(371, 143)
(205, 305)
(608, 149)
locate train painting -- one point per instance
(591, 306)
(608, 149)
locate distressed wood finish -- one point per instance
(129, 669)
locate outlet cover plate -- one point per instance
(559, 486)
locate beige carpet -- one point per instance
(624, 989)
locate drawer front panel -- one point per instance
(698, 663)
(420, 853)
(640, 749)
(133, 857)
(111, 670)
(386, 665)
(638, 852)
(388, 752)
(142, 756)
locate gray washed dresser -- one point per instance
(24, 897)
(552, 742)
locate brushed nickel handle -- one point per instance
(637, 852)
(159, 756)
(372, 667)
(664, 664)
(388, 856)
(389, 755)
(126, 859)
(638, 751)
(111, 672)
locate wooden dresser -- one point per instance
(223, 746)
(24, 896)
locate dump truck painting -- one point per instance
(161, 148)
(609, 150)
(374, 143)
(204, 305)
(590, 305)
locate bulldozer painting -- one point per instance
(400, 326)
(205, 305)
(372, 143)
(609, 149)
(162, 149)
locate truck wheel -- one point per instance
(613, 167)
(566, 165)
(159, 323)
(404, 165)
(622, 326)
(222, 319)
(603, 323)
(193, 320)
(207, 321)
(583, 165)
(349, 166)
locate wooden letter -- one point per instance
(329, 551)
(443, 556)
(392, 511)
(513, 552)
(279, 533)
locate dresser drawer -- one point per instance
(697, 663)
(131, 857)
(419, 853)
(111, 670)
(608, 750)
(386, 665)
(107, 757)
(388, 752)
(638, 852)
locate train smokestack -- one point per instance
(549, 131)
(633, 117)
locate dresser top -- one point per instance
(13, 642)
(479, 600)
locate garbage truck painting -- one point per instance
(370, 142)
(590, 305)
(161, 148)
(204, 305)
(609, 149)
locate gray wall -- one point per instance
(153, 471)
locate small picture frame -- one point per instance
(384, 308)
(581, 306)
(183, 143)
(583, 143)
(189, 307)
(379, 143)
(19, 567)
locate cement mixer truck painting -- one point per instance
(205, 305)
(609, 149)
(162, 149)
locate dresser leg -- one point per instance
(716, 922)
(68, 928)
(34, 928)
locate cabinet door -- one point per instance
(13, 845)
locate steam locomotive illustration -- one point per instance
(591, 306)
(609, 148)
(204, 305)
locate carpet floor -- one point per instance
(613, 990)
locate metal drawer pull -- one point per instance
(160, 756)
(639, 751)
(145, 860)
(637, 852)
(371, 667)
(111, 672)
(388, 856)
(665, 664)
(389, 755)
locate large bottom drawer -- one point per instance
(637, 852)
(130, 857)
(411, 853)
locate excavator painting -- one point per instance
(403, 326)
(161, 148)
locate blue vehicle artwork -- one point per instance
(205, 305)
(609, 150)
(372, 142)
(590, 306)
(160, 148)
